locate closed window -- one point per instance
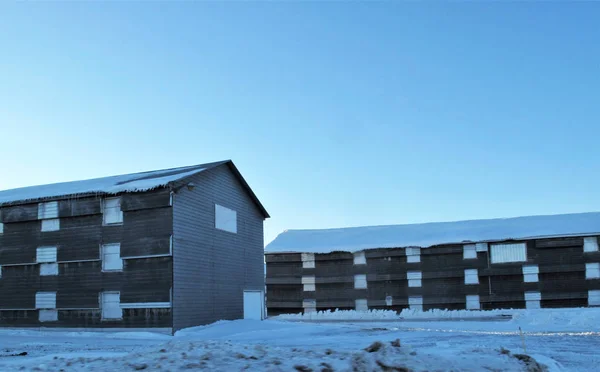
(51, 225)
(48, 210)
(225, 219)
(48, 316)
(111, 305)
(361, 305)
(532, 300)
(414, 278)
(471, 276)
(111, 211)
(47, 269)
(594, 298)
(592, 270)
(360, 281)
(45, 300)
(46, 254)
(111, 257)
(413, 254)
(481, 247)
(1, 228)
(0, 271)
(308, 260)
(309, 305)
(590, 244)
(502, 253)
(530, 273)
(309, 283)
(415, 303)
(473, 302)
(469, 252)
(359, 258)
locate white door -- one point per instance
(254, 305)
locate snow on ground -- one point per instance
(564, 340)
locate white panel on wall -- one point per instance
(361, 305)
(51, 225)
(530, 273)
(516, 252)
(413, 254)
(47, 269)
(0, 271)
(473, 302)
(45, 300)
(111, 305)
(415, 302)
(308, 260)
(469, 252)
(225, 219)
(111, 257)
(471, 276)
(590, 244)
(481, 247)
(46, 254)
(111, 212)
(592, 270)
(48, 210)
(1, 228)
(360, 281)
(594, 297)
(309, 305)
(532, 300)
(309, 283)
(48, 315)
(414, 278)
(359, 258)
(388, 300)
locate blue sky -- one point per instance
(337, 113)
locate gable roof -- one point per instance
(134, 182)
(425, 235)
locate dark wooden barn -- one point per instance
(164, 250)
(526, 262)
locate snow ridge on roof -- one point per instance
(425, 235)
(135, 182)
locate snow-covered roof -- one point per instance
(135, 182)
(425, 235)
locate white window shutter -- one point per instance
(469, 252)
(414, 278)
(530, 273)
(361, 305)
(111, 257)
(592, 270)
(413, 254)
(516, 252)
(590, 244)
(48, 269)
(1, 228)
(45, 300)
(415, 302)
(309, 305)
(360, 281)
(594, 297)
(225, 219)
(471, 276)
(473, 302)
(46, 254)
(359, 258)
(51, 224)
(308, 260)
(48, 210)
(532, 300)
(111, 212)
(111, 305)
(309, 283)
(48, 315)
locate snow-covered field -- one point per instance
(563, 340)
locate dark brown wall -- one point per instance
(561, 262)
(146, 230)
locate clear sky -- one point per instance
(337, 113)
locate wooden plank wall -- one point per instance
(562, 280)
(146, 230)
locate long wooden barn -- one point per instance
(164, 250)
(525, 262)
